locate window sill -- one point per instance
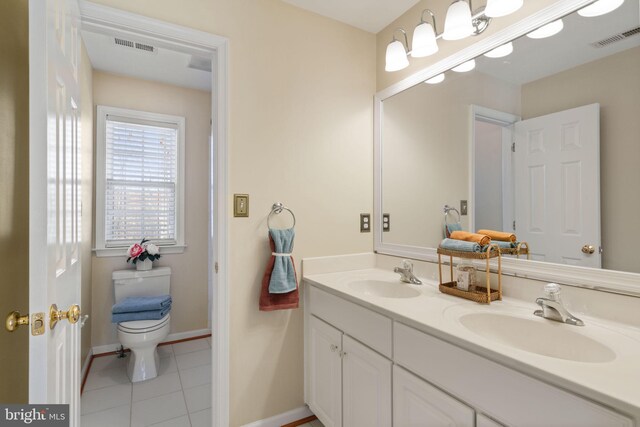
(120, 252)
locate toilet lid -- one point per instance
(140, 325)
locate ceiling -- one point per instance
(534, 59)
(162, 65)
(368, 15)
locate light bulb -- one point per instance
(500, 51)
(465, 66)
(548, 30)
(600, 8)
(424, 41)
(436, 79)
(457, 24)
(396, 58)
(498, 8)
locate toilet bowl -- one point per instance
(142, 336)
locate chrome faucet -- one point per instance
(552, 307)
(406, 273)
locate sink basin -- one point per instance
(547, 338)
(384, 289)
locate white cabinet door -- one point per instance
(417, 403)
(325, 371)
(366, 378)
(484, 421)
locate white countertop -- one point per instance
(615, 383)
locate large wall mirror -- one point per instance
(540, 137)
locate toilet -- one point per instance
(142, 336)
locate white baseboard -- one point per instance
(85, 365)
(108, 348)
(284, 418)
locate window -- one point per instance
(139, 180)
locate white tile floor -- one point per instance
(179, 396)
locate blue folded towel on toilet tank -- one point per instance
(140, 315)
(135, 304)
(283, 276)
(460, 245)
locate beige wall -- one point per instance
(425, 139)
(14, 196)
(301, 121)
(189, 278)
(614, 83)
(410, 19)
(86, 124)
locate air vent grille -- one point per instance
(616, 38)
(134, 45)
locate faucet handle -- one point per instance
(407, 265)
(552, 291)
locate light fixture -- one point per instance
(396, 57)
(600, 8)
(548, 30)
(435, 79)
(461, 21)
(457, 24)
(424, 37)
(498, 8)
(500, 51)
(465, 66)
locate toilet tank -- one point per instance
(134, 283)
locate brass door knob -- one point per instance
(588, 249)
(55, 315)
(14, 320)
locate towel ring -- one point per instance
(277, 208)
(447, 210)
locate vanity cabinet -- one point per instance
(349, 384)
(353, 355)
(418, 403)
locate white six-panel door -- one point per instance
(54, 197)
(557, 185)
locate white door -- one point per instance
(54, 198)
(484, 421)
(557, 185)
(417, 403)
(325, 369)
(366, 382)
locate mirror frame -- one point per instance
(600, 279)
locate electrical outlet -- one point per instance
(386, 222)
(463, 207)
(365, 223)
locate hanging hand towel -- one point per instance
(279, 283)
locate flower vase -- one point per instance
(145, 265)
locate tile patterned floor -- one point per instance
(179, 397)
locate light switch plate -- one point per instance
(241, 205)
(463, 207)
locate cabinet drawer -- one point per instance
(366, 326)
(510, 397)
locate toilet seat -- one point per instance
(143, 326)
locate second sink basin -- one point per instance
(380, 288)
(546, 337)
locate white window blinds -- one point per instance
(141, 165)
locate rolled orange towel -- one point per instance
(480, 239)
(499, 235)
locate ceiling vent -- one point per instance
(135, 45)
(616, 38)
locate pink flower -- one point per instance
(135, 250)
